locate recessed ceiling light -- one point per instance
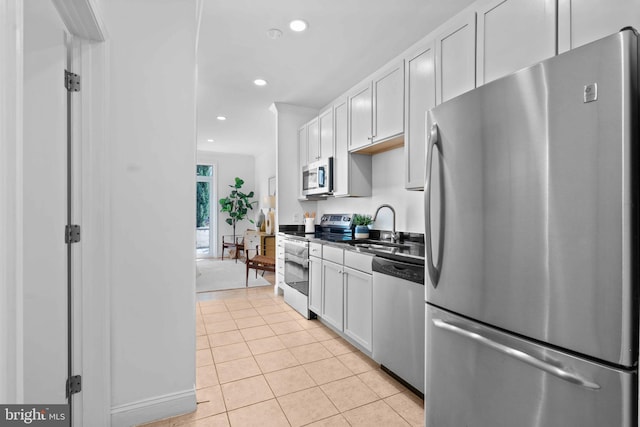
(260, 82)
(274, 33)
(209, 140)
(221, 118)
(298, 25)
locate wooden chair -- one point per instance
(237, 244)
(259, 262)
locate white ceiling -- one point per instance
(346, 41)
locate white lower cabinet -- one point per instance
(315, 285)
(358, 307)
(332, 294)
(341, 294)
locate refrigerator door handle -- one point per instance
(516, 354)
(434, 272)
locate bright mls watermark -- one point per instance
(34, 415)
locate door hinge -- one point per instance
(71, 81)
(74, 385)
(72, 233)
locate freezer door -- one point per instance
(477, 376)
(529, 202)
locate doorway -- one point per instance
(205, 212)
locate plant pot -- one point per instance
(361, 232)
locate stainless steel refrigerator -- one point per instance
(531, 206)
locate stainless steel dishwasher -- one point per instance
(398, 320)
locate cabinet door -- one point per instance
(358, 307)
(420, 96)
(314, 140)
(583, 21)
(325, 122)
(332, 294)
(303, 144)
(456, 58)
(360, 109)
(315, 285)
(388, 103)
(513, 34)
(341, 157)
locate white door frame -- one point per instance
(89, 58)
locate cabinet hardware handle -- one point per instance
(549, 367)
(433, 270)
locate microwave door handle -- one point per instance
(433, 270)
(478, 337)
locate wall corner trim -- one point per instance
(154, 408)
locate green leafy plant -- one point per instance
(202, 197)
(236, 205)
(362, 219)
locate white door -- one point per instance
(45, 206)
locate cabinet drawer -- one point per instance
(333, 254)
(358, 261)
(315, 249)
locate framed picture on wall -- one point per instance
(272, 186)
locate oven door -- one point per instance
(296, 265)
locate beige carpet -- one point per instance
(217, 275)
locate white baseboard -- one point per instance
(155, 408)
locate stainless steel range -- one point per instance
(335, 227)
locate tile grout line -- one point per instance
(323, 342)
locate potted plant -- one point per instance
(236, 204)
(362, 222)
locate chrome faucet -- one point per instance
(394, 234)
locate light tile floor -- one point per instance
(259, 363)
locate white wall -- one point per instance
(226, 168)
(288, 119)
(265, 167)
(11, 78)
(388, 187)
(152, 166)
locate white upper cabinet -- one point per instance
(360, 117)
(325, 123)
(314, 141)
(456, 58)
(388, 103)
(303, 144)
(583, 21)
(513, 34)
(420, 96)
(351, 172)
(340, 161)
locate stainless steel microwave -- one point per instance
(317, 177)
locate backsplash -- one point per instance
(388, 187)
